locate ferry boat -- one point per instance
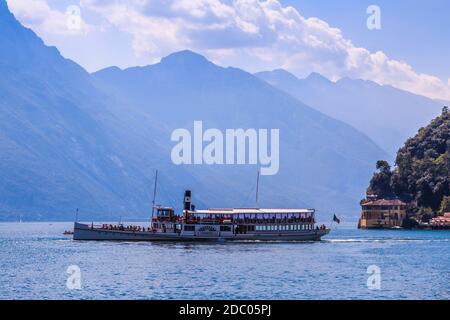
(221, 224)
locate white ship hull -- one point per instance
(87, 232)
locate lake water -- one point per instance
(34, 258)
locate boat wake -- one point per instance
(383, 240)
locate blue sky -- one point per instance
(330, 37)
(416, 31)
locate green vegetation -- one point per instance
(422, 169)
(445, 205)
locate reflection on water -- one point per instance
(34, 258)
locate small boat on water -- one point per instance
(67, 232)
(222, 224)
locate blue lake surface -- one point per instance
(34, 258)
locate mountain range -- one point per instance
(70, 139)
(389, 116)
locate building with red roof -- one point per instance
(441, 222)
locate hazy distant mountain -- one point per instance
(69, 139)
(62, 142)
(322, 160)
(386, 114)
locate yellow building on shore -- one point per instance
(382, 214)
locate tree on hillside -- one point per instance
(422, 171)
(445, 205)
(381, 181)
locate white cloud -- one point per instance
(254, 35)
(39, 16)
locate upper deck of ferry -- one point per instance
(250, 211)
(239, 215)
(254, 216)
(243, 216)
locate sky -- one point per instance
(409, 49)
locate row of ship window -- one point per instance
(292, 227)
(285, 227)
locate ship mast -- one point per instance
(154, 193)
(257, 189)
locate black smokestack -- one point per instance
(187, 200)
